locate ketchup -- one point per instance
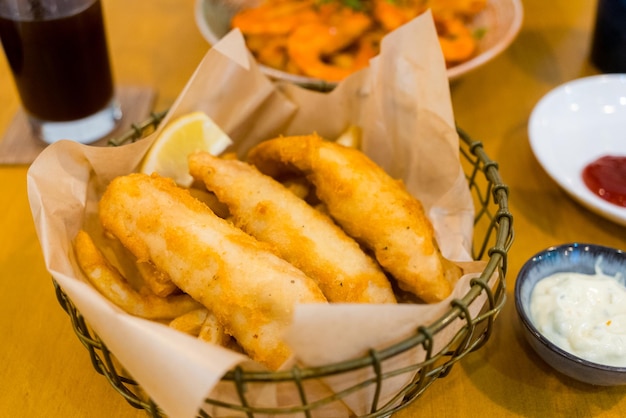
(606, 177)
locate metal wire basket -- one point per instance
(493, 239)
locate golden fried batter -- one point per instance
(302, 235)
(251, 291)
(370, 206)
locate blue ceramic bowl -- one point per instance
(579, 258)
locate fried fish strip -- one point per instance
(251, 291)
(301, 234)
(110, 283)
(370, 206)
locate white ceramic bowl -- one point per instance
(578, 258)
(501, 20)
(573, 125)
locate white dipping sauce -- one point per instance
(583, 314)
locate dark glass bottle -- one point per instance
(608, 47)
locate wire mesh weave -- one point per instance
(493, 239)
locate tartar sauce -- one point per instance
(583, 314)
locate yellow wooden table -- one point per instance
(45, 371)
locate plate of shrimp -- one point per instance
(317, 43)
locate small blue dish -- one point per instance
(578, 258)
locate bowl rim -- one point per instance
(497, 48)
(524, 315)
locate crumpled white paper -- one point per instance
(402, 104)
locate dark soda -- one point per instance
(60, 76)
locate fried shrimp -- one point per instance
(461, 8)
(309, 44)
(370, 206)
(274, 18)
(330, 40)
(392, 15)
(251, 291)
(456, 40)
(302, 235)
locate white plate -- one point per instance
(575, 124)
(501, 19)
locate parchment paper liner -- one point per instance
(402, 104)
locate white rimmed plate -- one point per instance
(573, 125)
(501, 21)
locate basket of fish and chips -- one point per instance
(272, 260)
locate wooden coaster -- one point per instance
(20, 146)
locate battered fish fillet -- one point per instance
(370, 206)
(251, 291)
(301, 235)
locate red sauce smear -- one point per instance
(606, 177)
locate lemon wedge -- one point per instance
(189, 133)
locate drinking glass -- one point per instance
(58, 55)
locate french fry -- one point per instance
(213, 332)
(157, 281)
(203, 324)
(190, 323)
(110, 283)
